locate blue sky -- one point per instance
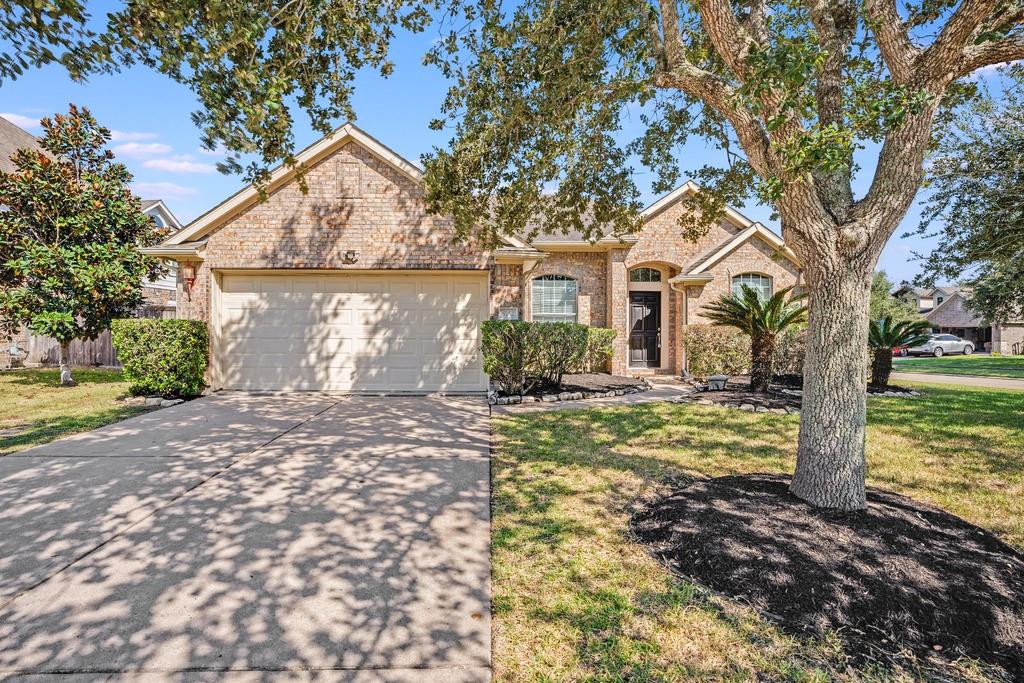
(155, 137)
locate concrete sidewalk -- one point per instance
(293, 536)
(960, 380)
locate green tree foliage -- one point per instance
(975, 206)
(888, 333)
(248, 63)
(69, 235)
(764, 320)
(884, 304)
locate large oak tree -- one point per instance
(788, 91)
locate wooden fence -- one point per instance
(45, 351)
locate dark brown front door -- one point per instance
(645, 329)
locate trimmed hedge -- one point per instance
(165, 357)
(520, 356)
(715, 349)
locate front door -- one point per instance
(645, 329)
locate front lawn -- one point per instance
(35, 410)
(986, 366)
(576, 599)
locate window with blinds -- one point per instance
(554, 299)
(762, 284)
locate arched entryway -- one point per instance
(648, 317)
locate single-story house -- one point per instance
(354, 286)
(949, 312)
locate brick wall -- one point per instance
(1005, 338)
(507, 288)
(355, 202)
(589, 271)
(755, 256)
(954, 313)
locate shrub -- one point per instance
(600, 346)
(520, 356)
(714, 350)
(165, 357)
(790, 349)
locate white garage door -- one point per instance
(406, 331)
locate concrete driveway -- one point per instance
(288, 536)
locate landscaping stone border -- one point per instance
(495, 400)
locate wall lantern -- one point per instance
(188, 276)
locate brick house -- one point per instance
(354, 286)
(952, 314)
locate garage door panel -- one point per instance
(400, 332)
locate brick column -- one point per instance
(618, 295)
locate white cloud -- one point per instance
(137, 150)
(20, 121)
(163, 190)
(131, 136)
(179, 163)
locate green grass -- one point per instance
(35, 409)
(575, 599)
(986, 366)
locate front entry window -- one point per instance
(645, 275)
(554, 299)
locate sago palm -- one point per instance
(764, 319)
(887, 334)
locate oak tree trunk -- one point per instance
(830, 465)
(66, 380)
(881, 367)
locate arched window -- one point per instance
(645, 275)
(554, 299)
(762, 284)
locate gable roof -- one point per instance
(150, 206)
(755, 230)
(686, 189)
(13, 138)
(320, 149)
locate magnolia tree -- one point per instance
(788, 91)
(69, 235)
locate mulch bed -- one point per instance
(898, 579)
(597, 381)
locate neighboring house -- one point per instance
(354, 286)
(949, 312)
(159, 295)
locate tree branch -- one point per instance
(945, 54)
(729, 38)
(836, 26)
(899, 53)
(1008, 49)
